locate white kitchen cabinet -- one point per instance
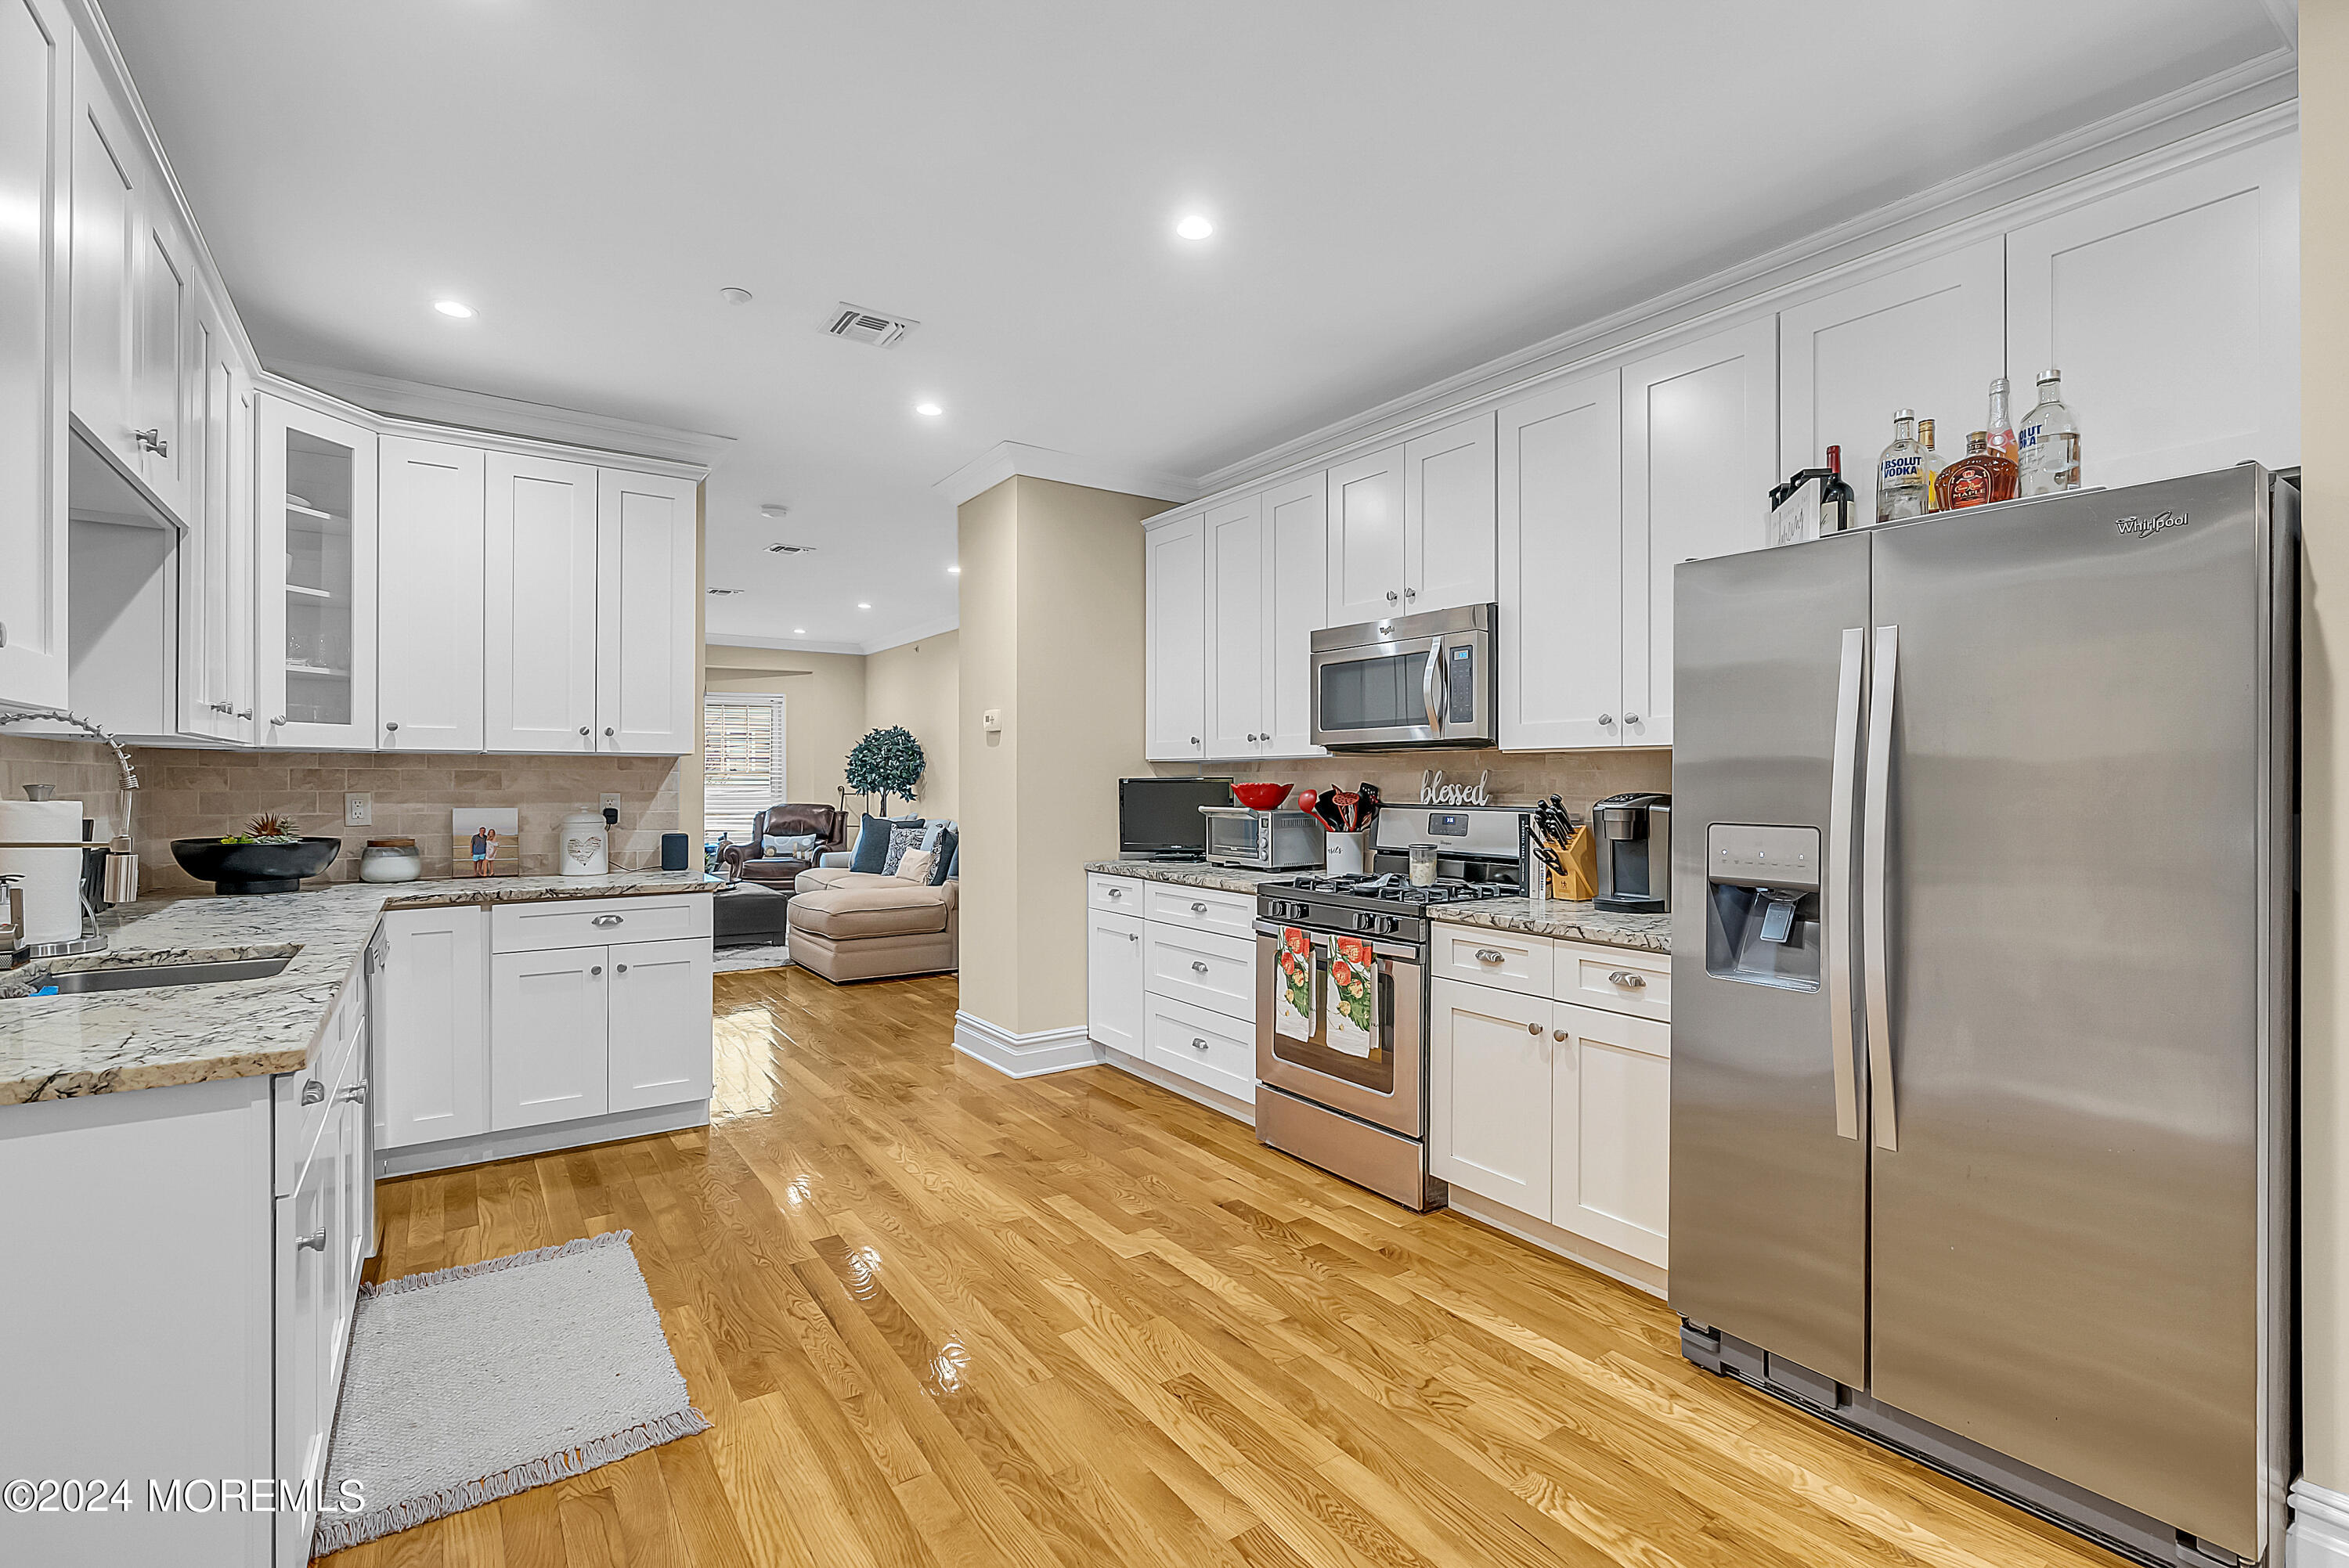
(1174, 616)
(35, 152)
(548, 1017)
(1559, 512)
(107, 161)
(1211, 1048)
(1366, 537)
(1297, 528)
(1204, 969)
(1239, 622)
(316, 602)
(2172, 307)
(162, 309)
(433, 1032)
(304, 1353)
(1700, 455)
(217, 699)
(539, 605)
(649, 589)
(657, 1024)
(1113, 985)
(429, 679)
(1611, 1111)
(1490, 1094)
(1447, 516)
(1930, 336)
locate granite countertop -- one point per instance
(1566, 918)
(57, 1047)
(1191, 874)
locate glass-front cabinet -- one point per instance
(315, 501)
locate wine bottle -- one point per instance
(1837, 506)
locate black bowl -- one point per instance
(255, 868)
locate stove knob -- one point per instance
(1393, 924)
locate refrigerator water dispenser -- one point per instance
(1761, 913)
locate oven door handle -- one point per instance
(1402, 950)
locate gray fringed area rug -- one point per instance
(471, 1384)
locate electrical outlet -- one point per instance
(611, 802)
(358, 810)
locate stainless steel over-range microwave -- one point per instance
(1407, 681)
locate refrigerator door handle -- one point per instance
(1876, 971)
(1836, 901)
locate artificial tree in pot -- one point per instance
(885, 762)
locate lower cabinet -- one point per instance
(1113, 989)
(657, 1023)
(1176, 989)
(434, 1001)
(1207, 1047)
(548, 1013)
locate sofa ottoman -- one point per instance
(851, 925)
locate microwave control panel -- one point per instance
(1460, 683)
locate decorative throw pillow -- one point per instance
(872, 842)
(943, 855)
(914, 865)
(938, 828)
(901, 839)
(954, 866)
(793, 846)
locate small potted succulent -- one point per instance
(269, 856)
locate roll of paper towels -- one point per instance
(51, 878)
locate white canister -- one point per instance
(581, 845)
(1347, 854)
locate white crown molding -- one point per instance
(422, 403)
(899, 639)
(2251, 102)
(1023, 1056)
(1005, 459)
(715, 639)
(2319, 1536)
(2285, 15)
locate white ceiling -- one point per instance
(1400, 192)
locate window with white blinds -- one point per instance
(742, 762)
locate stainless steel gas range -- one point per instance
(1342, 1025)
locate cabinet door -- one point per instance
(1447, 516)
(1488, 1070)
(1613, 1113)
(539, 605)
(649, 586)
(1560, 519)
(160, 333)
(660, 1044)
(105, 258)
(36, 139)
(1236, 620)
(1366, 537)
(547, 1014)
(1174, 591)
(316, 599)
(2173, 310)
(1700, 451)
(301, 1346)
(1296, 520)
(1929, 337)
(216, 557)
(429, 595)
(1113, 982)
(430, 1028)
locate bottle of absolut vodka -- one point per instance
(2048, 449)
(1932, 465)
(1900, 471)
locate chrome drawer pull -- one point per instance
(1628, 980)
(355, 1095)
(1488, 955)
(1197, 1044)
(599, 969)
(315, 1241)
(1198, 966)
(1198, 909)
(1533, 1028)
(1133, 936)
(313, 1092)
(1114, 891)
(607, 920)
(1559, 1035)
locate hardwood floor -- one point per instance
(940, 1317)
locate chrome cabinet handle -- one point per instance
(1533, 1028)
(607, 920)
(1835, 911)
(1197, 1044)
(315, 1241)
(391, 726)
(1115, 892)
(1411, 593)
(1630, 718)
(151, 441)
(1198, 966)
(1628, 980)
(1390, 596)
(276, 722)
(1133, 936)
(1198, 909)
(244, 713)
(1195, 740)
(1873, 897)
(1488, 956)
(220, 707)
(582, 729)
(608, 731)
(1606, 721)
(597, 970)
(1557, 1035)
(313, 1092)
(355, 1095)
(621, 968)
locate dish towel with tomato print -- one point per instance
(1351, 978)
(1294, 1000)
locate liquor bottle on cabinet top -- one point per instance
(1837, 506)
(1932, 465)
(1900, 471)
(1983, 475)
(1998, 428)
(2048, 451)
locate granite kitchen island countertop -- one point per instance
(1193, 873)
(1566, 919)
(59, 1047)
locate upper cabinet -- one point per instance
(1296, 544)
(218, 700)
(316, 601)
(1366, 537)
(428, 686)
(539, 653)
(1174, 591)
(648, 586)
(35, 152)
(1238, 666)
(1560, 637)
(2172, 308)
(1447, 516)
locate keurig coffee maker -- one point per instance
(1634, 840)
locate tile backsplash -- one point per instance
(1519, 778)
(187, 794)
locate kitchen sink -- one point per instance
(150, 976)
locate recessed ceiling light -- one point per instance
(863, 606)
(735, 295)
(1195, 227)
(774, 509)
(955, 569)
(457, 308)
(931, 409)
(799, 631)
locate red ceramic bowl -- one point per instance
(1262, 797)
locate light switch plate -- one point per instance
(991, 721)
(358, 810)
(611, 802)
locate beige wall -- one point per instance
(2324, 772)
(823, 709)
(919, 685)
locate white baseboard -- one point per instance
(1175, 1083)
(2319, 1537)
(1637, 1272)
(483, 1148)
(1024, 1055)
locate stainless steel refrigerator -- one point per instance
(1982, 933)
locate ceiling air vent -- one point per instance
(857, 324)
(791, 550)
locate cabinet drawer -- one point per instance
(1210, 1048)
(1112, 895)
(303, 1102)
(1619, 979)
(1204, 969)
(1502, 958)
(1199, 908)
(593, 923)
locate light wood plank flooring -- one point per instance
(940, 1317)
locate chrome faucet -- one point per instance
(123, 866)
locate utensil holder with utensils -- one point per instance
(1349, 854)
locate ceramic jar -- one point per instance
(582, 848)
(390, 860)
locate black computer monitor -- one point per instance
(1158, 819)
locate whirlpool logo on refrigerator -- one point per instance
(2146, 526)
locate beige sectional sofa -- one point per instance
(854, 925)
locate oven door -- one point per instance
(1388, 1086)
(1435, 690)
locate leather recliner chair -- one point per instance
(829, 822)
